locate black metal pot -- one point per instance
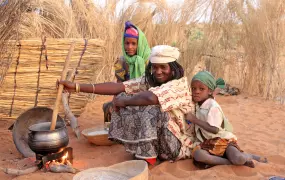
(43, 141)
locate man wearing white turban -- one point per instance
(149, 114)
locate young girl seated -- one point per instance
(217, 143)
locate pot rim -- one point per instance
(34, 126)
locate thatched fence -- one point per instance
(35, 66)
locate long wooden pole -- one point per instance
(60, 87)
(67, 110)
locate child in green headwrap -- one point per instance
(217, 145)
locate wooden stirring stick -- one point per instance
(60, 87)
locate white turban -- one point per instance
(164, 54)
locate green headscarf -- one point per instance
(137, 62)
(208, 79)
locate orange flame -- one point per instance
(64, 157)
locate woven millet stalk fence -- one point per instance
(35, 66)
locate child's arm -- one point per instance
(203, 124)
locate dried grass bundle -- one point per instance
(10, 16)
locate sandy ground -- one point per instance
(259, 125)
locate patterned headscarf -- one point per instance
(137, 62)
(131, 31)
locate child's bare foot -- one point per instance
(249, 163)
(259, 158)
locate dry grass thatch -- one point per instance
(36, 66)
(10, 16)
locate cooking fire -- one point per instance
(57, 162)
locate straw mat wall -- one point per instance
(36, 64)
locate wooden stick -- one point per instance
(60, 88)
(19, 172)
(67, 110)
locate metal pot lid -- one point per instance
(24, 121)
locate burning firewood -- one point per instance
(62, 168)
(58, 165)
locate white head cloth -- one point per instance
(164, 54)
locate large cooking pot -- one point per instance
(43, 141)
(24, 121)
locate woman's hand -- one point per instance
(115, 108)
(119, 102)
(68, 86)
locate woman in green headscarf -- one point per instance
(136, 52)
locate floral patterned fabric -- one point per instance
(175, 100)
(143, 131)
